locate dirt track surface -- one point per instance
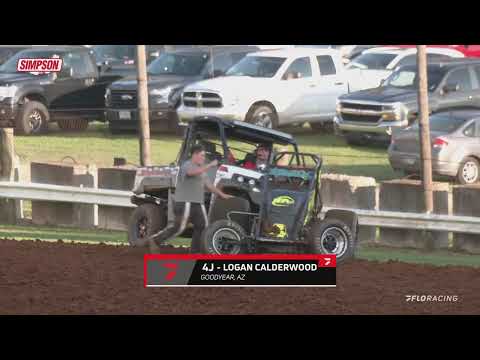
(56, 278)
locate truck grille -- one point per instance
(355, 106)
(361, 118)
(202, 99)
(365, 113)
(123, 99)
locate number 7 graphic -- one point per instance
(173, 270)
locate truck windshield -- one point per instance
(10, 66)
(115, 52)
(408, 78)
(372, 61)
(178, 64)
(257, 66)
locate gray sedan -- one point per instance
(455, 137)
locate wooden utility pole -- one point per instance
(144, 123)
(424, 128)
(7, 169)
(7, 155)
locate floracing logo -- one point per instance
(39, 65)
(431, 298)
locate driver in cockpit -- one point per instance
(254, 161)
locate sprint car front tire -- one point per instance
(214, 236)
(332, 237)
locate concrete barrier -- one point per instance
(407, 195)
(115, 178)
(466, 202)
(64, 214)
(350, 192)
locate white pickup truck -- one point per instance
(274, 87)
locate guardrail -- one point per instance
(415, 221)
(117, 198)
(69, 194)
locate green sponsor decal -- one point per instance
(283, 200)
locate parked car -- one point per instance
(357, 50)
(72, 97)
(273, 88)
(167, 77)
(377, 64)
(372, 114)
(455, 138)
(467, 50)
(121, 59)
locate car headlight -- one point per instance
(175, 96)
(7, 92)
(164, 92)
(395, 112)
(338, 107)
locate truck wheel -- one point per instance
(114, 129)
(72, 124)
(262, 115)
(355, 140)
(469, 171)
(224, 237)
(332, 237)
(33, 118)
(323, 127)
(146, 220)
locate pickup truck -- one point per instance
(72, 97)
(378, 63)
(274, 87)
(167, 75)
(375, 113)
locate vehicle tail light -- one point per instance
(223, 168)
(439, 143)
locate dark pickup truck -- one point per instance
(72, 97)
(122, 59)
(167, 76)
(373, 114)
(7, 51)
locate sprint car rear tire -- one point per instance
(220, 230)
(146, 220)
(334, 237)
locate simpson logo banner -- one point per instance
(239, 270)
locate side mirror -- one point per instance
(345, 61)
(66, 72)
(382, 82)
(155, 54)
(451, 87)
(104, 67)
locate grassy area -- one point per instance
(373, 253)
(98, 146)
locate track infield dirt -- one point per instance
(56, 278)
